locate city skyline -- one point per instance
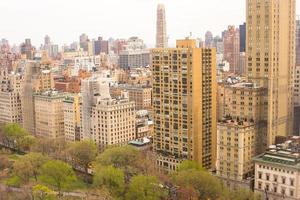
(64, 21)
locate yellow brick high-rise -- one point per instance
(271, 59)
(184, 104)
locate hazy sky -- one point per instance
(65, 20)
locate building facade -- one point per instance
(277, 173)
(113, 122)
(161, 27)
(10, 98)
(232, 48)
(270, 59)
(49, 114)
(71, 117)
(184, 104)
(235, 149)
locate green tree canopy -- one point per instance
(205, 185)
(119, 157)
(82, 153)
(29, 165)
(110, 178)
(145, 188)
(124, 158)
(189, 164)
(57, 174)
(15, 136)
(41, 192)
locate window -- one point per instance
(283, 180)
(291, 193)
(292, 182)
(259, 175)
(259, 185)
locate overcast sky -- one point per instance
(65, 20)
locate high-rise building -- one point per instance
(242, 29)
(27, 49)
(209, 39)
(161, 27)
(218, 44)
(47, 40)
(10, 97)
(297, 100)
(297, 81)
(113, 121)
(91, 88)
(184, 104)
(71, 117)
(232, 48)
(49, 114)
(270, 53)
(235, 149)
(37, 78)
(135, 54)
(298, 41)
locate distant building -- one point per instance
(141, 95)
(277, 171)
(208, 39)
(242, 64)
(161, 27)
(134, 55)
(232, 48)
(27, 49)
(242, 29)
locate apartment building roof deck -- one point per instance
(286, 154)
(51, 94)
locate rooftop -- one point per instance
(285, 154)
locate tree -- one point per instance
(36, 160)
(82, 153)
(145, 188)
(119, 157)
(145, 162)
(205, 185)
(123, 158)
(22, 168)
(58, 174)
(54, 148)
(189, 164)
(13, 135)
(111, 178)
(29, 165)
(41, 192)
(26, 142)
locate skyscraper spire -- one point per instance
(161, 27)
